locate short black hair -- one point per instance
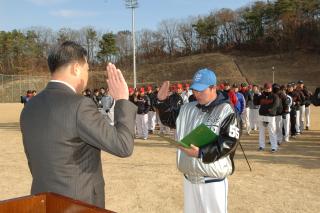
(65, 53)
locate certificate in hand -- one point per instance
(200, 136)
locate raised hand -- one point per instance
(117, 85)
(163, 91)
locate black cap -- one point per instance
(300, 82)
(234, 85)
(275, 86)
(290, 84)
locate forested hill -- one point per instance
(240, 45)
(269, 27)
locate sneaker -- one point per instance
(307, 128)
(260, 149)
(279, 143)
(273, 150)
(145, 138)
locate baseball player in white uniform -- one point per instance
(268, 109)
(205, 169)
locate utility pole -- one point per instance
(133, 4)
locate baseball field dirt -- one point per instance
(284, 182)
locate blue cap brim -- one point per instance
(199, 87)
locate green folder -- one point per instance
(200, 136)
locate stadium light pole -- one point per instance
(133, 4)
(273, 74)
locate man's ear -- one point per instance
(75, 69)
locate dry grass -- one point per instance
(148, 181)
(254, 69)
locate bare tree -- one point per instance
(124, 45)
(187, 36)
(169, 30)
(89, 39)
(65, 34)
(150, 44)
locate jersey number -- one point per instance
(234, 132)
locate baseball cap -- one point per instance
(300, 82)
(149, 87)
(226, 83)
(244, 84)
(235, 85)
(142, 90)
(202, 79)
(179, 86)
(275, 86)
(267, 86)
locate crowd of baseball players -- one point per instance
(283, 110)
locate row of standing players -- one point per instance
(283, 110)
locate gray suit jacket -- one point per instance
(63, 135)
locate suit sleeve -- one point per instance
(94, 129)
(227, 143)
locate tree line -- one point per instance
(267, 26)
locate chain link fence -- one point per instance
(12, 87)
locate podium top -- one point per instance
(48, 203)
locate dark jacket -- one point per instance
(302, 98)
(307, 94)
(269, 103)
(152, 96)
(296, 100)
(247, 97)
(143, 104)
(169, 109)
(227, 142)
(63, 135)
(315, 98)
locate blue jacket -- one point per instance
(240, 103)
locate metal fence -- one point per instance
(12, 87)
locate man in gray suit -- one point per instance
(64, 133)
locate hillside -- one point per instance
(236, 67)
(288, 68)
(181, 69)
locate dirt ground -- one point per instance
(148, 181)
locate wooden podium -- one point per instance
(48, 203)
